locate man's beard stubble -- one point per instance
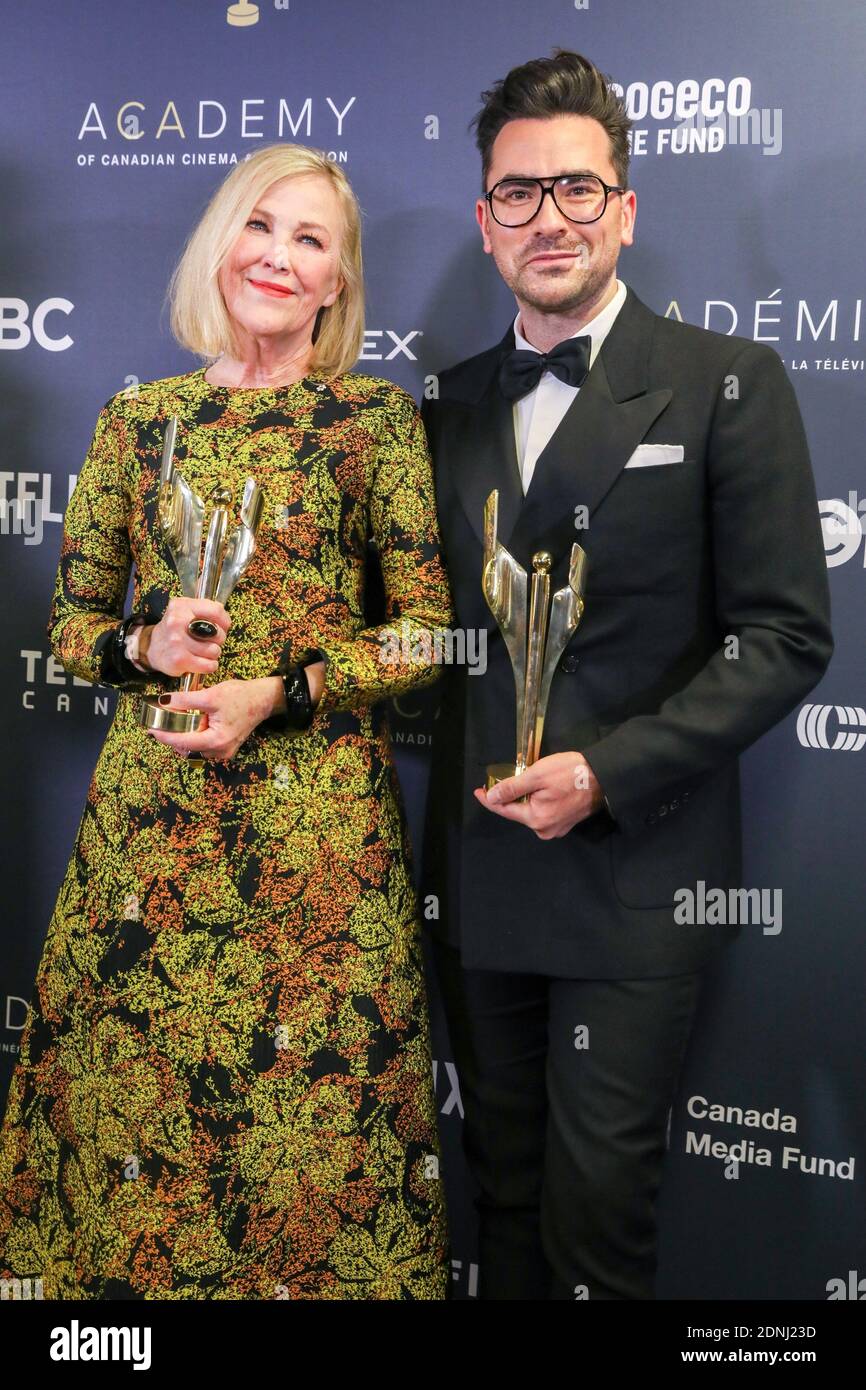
(562, 299)
(558, 299)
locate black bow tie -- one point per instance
(521, 371)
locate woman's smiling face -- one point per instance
(285, 265)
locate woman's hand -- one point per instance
(167, 646)
(233, 709)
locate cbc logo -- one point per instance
(848, 720)
(843, 530)
(16, 332)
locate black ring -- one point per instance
(201, 629)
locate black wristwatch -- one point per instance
(299, 701)
(115, 668)
(300, 709)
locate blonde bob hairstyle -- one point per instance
(199, 318)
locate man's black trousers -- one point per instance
(566, 1088)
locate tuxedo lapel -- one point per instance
(488, 452)
(609, 417)
(606, 421)
(478, 454)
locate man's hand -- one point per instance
(561, 791)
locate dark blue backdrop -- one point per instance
(749, 224)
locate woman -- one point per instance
(224, 1089)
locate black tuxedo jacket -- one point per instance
(682, 557)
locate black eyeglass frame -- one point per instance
(547, 186)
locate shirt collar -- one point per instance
(598, 327)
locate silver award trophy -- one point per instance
(227, 552)
(536, 640)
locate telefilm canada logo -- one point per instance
(27, 503)
(48, 687)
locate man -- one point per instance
(679, 463)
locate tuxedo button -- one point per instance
(663, 810)
(686, 796)
(651, 818)
(569, 663)
(674, 804)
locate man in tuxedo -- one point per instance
(676, 457)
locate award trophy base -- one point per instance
(153, 715)
(498, 772)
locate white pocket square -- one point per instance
(650, 455)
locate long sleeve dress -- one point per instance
(224, 1086)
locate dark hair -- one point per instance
(564, 85)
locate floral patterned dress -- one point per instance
(224, 1088)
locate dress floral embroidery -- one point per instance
(224, 1088)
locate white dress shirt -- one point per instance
(538, 414)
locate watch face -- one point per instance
(298, 699)
(128, 639)
(132, 639)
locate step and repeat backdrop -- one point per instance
(120, 119)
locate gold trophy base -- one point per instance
(498, 772)
(153, 715)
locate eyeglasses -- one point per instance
(579, 197)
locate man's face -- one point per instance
(551, 264)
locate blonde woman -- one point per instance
(224, 1088)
